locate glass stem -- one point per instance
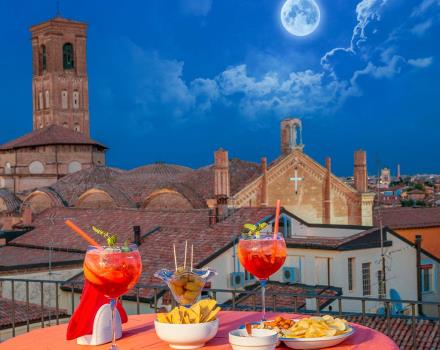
(263, 299)
(113, 307)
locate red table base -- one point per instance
(139, 333)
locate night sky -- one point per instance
(174, 80)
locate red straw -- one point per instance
(81, 233)
(277, 219)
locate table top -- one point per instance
(139, 333)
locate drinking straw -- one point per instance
(277, 219)
(175, 256)
(184, 261)
(192, 256)
(81, 233)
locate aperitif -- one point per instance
(112, 271)
(262, 257)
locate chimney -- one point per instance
(137, 235)
(360, 171)
(264, 199)
(212, 218)
(327, 192)
(26, 215)
(221, 176)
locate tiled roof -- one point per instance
(405, 217)
(284, 302)
(427, 331)
(22, 313)
(132, 188)
(21, 257)
(156, 249)
(51, 135)
(11, 201)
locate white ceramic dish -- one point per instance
(316, 343)
(186, 336)
(261, 339)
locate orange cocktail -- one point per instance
(262, 255)
(113, 271)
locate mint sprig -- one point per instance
(250, 230)
(110, 238)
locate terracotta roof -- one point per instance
(22, 313)
(11, 201)
(405, 217)
(427, 331)
(284, 302)
(132, 188)
(34, 257)
(161, 169)
(51, 135)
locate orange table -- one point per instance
(139, 333)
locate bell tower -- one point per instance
(59, 82)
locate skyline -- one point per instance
(181, 97)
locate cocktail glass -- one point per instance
(262, 256)
(185, 284)
(113, 271)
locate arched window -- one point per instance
(73, 167)
(68, 62)
(43, 58)
(8, 168)
(47, 98)
(75, 100)
(64, 99)
(76, 127)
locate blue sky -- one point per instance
(173, 81)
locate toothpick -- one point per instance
(192, 256)
(186, 249)
(175, 256)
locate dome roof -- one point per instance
(160, 169)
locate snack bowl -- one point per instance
(261, 339)
(316, 343)
(186, 336)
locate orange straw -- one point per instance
(82, 233)
(277, 219)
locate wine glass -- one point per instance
(113, 271)
(262, 255)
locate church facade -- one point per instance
(307, 188)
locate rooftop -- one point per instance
(51, 135)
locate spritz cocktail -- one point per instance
(113, 271)
(262, 256)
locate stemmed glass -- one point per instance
(262, 255)
(113, 271)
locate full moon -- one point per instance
(300, 17)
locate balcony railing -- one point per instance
(8, 286)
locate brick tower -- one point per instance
(59, 83)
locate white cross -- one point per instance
(296, 179)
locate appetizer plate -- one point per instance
(317, 343)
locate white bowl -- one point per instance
(316, 343)
(186, 336)
(261, 339)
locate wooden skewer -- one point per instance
(192, 256)
(175, 256)
(184, 261)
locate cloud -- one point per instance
(423, 7)
(421, 62)
(197, 7)
(421, 28)
(276, 89)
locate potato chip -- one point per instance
(203, 311)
